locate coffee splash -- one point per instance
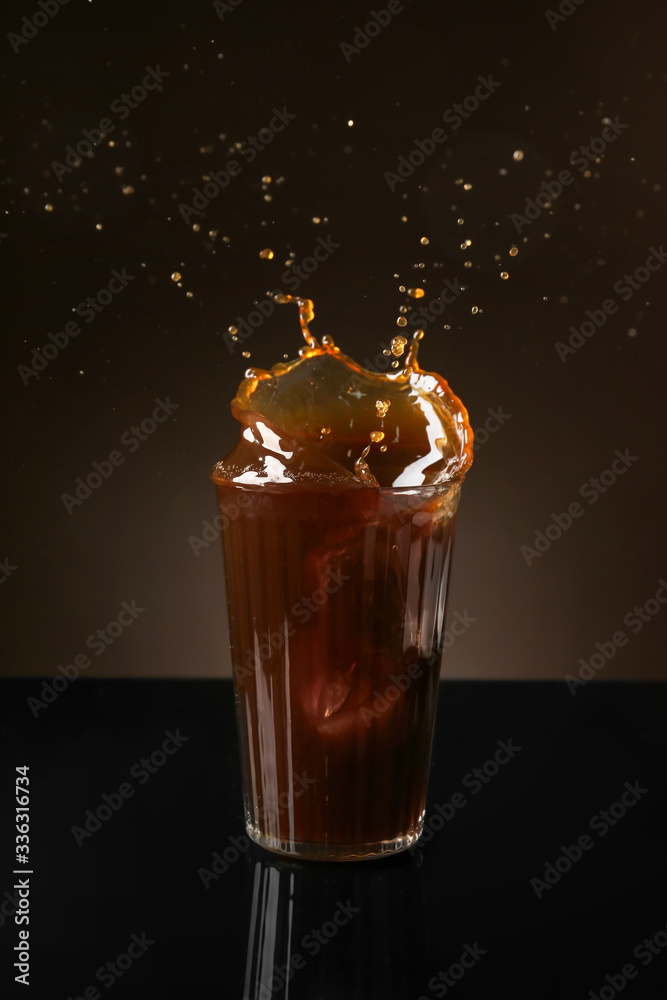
(323, 420)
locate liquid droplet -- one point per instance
(377, 436)
(383, 447)
(48, 208)
(382, 405)
(266, 254)
(401, 321)
(517, 155)
(128, 189)
(504, 275)
(474, 310)
(424, 241)
(514, 251)
(176, 276)
(246, 354)
(361, 469)
(416, 293)
(306, 315)
(266, 179)
(398, 345)
(467, 187)
(460, 221)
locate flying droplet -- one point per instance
(514, 251)
(266, 254)
(398, 345)
(460, 221)
(474, 310)
(467, 187)
(188, 295)
(246, 354)
(176, 276)
(382, 405)
(324, 431)
(48, 208)
(517, 155)
(383, 447)
(128, 189)
(401, 321)
(377, 436)
(266, 179)
(424, 241)
(504, 275)
(394, 364)
(98, 226)
(350, 122)
(467, 263)
(416, 293)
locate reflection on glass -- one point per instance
(336, 932)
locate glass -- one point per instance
(336, 600)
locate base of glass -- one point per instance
(305, 851)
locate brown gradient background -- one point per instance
(130, 539)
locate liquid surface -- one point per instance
(321, 418)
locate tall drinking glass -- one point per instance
(336, 600)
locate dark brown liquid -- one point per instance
(341, 497)
(336, 603)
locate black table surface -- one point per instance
(163, 891)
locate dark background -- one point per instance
(130, 539)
